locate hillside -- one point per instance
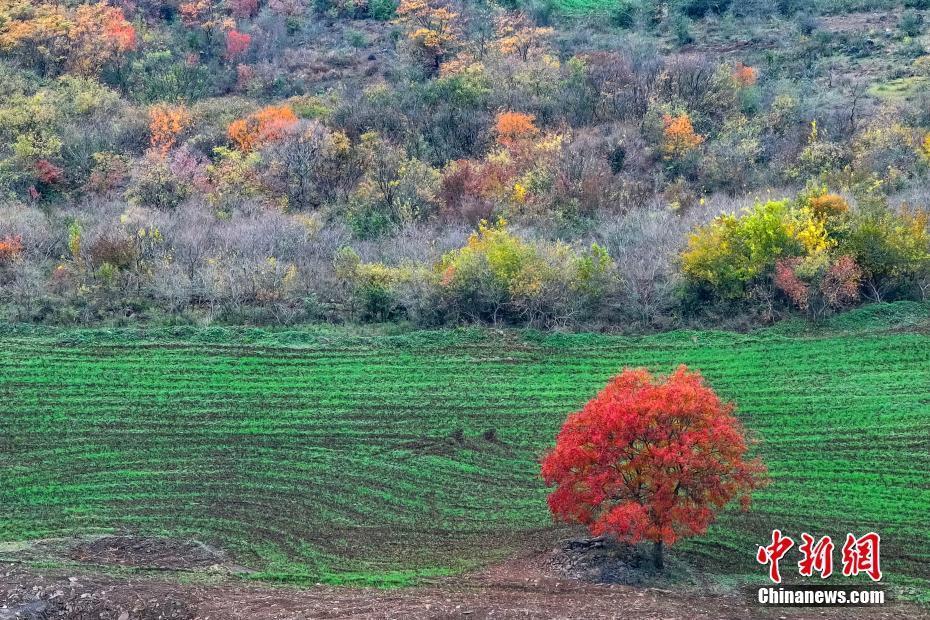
(536, 163)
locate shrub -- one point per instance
(733, 251)
(244, 9)
(517, 34)
(745, 75)
(155, 185)
(395, 189)
(699, 8)
(462, 192)
(10, 248)
(85, 39)
(827, 205)
(890, 152)
(790, 7)
(353, 9)
(818, 286)
(494, 269)
(890, 247)
(162, 76)
(731, 161)
(911, 23)
(234, 177)
(374, 289)
(811, 239)
(515, 129)
(818, 157)
(166, 124)
(112, 249)
(311, 166)
(681, 26)
(432, 29)
(109, 173)
(645, 244)
(48, 173)
(262, 127)
(706, 90)
(382, 10)
(237, 44)
(678, 136)
(625, 13)
(498, 277)
(379, 292)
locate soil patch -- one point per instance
(516, 589)
(859, 22)
(25, 595)
(598, 560)
(150, 553)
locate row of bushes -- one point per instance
(497, 277)
(814, 253)
(822, 254)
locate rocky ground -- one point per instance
(186, 581)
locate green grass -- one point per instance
(319, 455)
(899, 88)
(584, 7)
(817, 7)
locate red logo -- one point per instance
(773, 553)
(860, 555)
(817, 557)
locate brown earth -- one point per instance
(860, 22)
(535, 586)
(156, 553)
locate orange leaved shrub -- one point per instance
(260, 128)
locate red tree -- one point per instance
(237, 43)
(650, 460)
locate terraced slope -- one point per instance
(317, 455)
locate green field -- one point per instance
(318, 455)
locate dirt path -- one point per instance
(516, 589)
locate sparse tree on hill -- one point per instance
(432, 29)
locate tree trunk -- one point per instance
(657, 556)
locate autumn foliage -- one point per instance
(828, 205)
(48, 173)
(86, 38)
(104, 25)
(237, 43)
(745, 75)
(518, 35)
(195, 13)
(650, 460)
(266, 125)
(431, 28)
(244, 9)
(515, 128)
(10, 248)
(166, 123)
(817, 287)
(679, 137)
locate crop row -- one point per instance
(370, 456)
